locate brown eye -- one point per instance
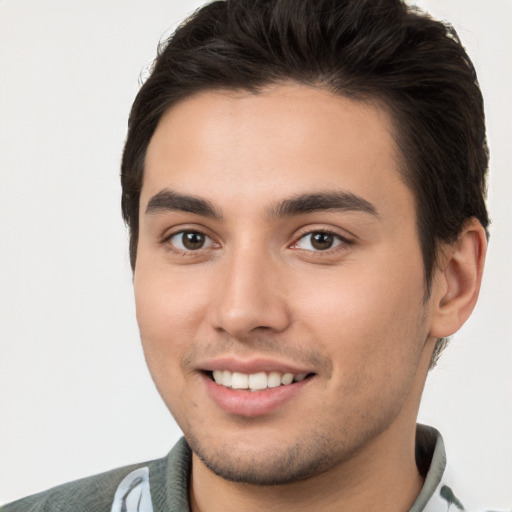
(319, 241)
(322, 241)
(190, 240)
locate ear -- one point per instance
(457, 280)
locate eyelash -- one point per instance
(167, 241)
(341, 242)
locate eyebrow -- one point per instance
(337, 200)
(167, 200)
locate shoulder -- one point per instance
(92, 494)
(161, 484)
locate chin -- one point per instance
(273, 465)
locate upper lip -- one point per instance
(250, 366)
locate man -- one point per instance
(304, 183)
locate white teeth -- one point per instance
(258, 380)
(273, 379)
(287, 378)
(226, 378)
(255, 381)
(239, 380)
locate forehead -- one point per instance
(283, 140)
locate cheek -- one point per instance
(370, 322)
(375, 342)
(169, 308)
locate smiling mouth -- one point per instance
(255, 381)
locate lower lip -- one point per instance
(252, 403)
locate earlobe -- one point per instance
(457, 280)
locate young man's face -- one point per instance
(277, 238)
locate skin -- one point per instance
(353, 315)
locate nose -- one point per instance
(250, 297)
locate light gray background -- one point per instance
(76, 397)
